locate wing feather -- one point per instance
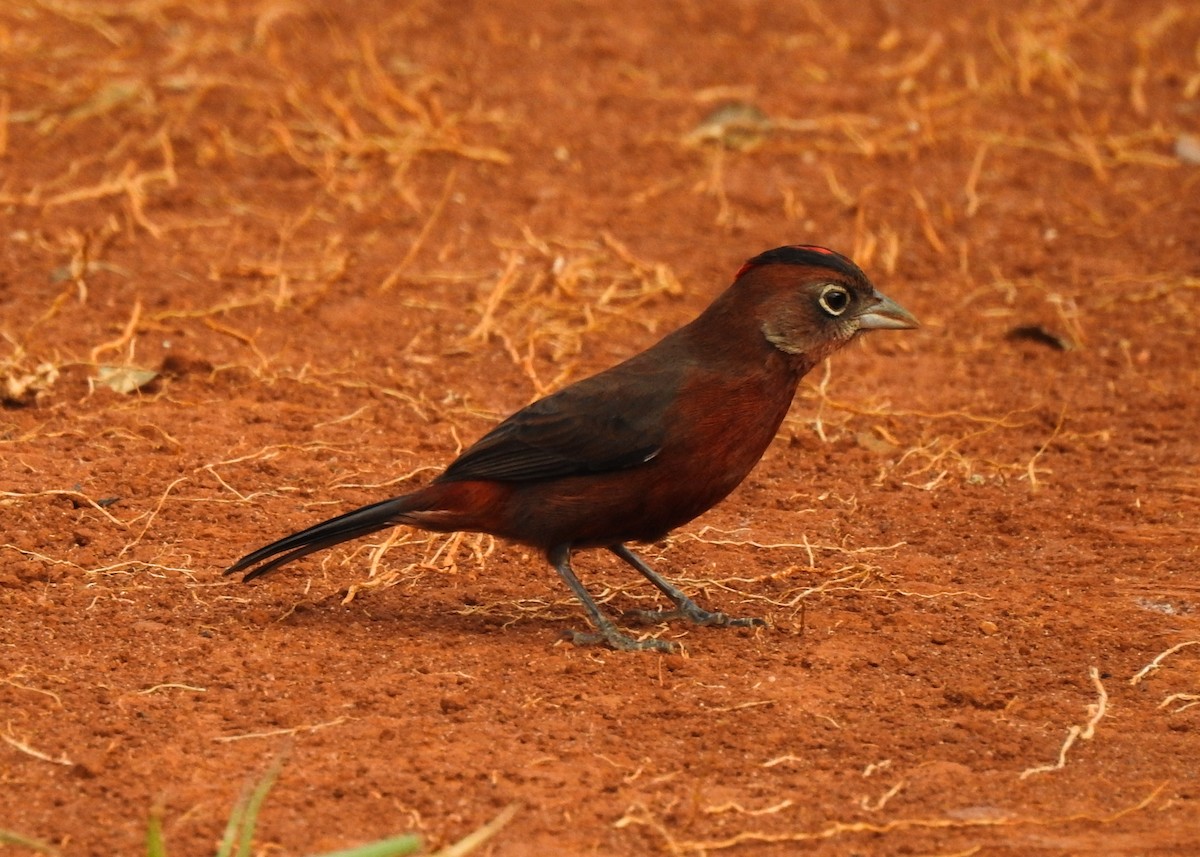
(611, 421)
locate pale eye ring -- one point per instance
(834, 299)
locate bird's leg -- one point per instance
(685, 608)
(606, 631)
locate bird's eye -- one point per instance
(834, 299)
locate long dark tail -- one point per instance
(343, 528)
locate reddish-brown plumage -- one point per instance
(641, 448)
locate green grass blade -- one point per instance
(240, 828)
(231, 827)
(156, 846)
(396, 846)
(254, 804)
(7, 837)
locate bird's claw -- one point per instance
(696, 615)
(614, 639)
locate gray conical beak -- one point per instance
(886, 314)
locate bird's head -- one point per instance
(811, 301)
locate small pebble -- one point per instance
(1187, 148)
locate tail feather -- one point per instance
(352, 525)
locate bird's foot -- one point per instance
(696, 615)
(610, 636)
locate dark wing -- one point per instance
(611, 421)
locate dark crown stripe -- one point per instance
(803, 254)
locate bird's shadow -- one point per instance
(446, 621)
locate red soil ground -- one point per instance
(348, 238)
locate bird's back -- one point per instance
(633, 452)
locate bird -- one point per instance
(639, 449)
